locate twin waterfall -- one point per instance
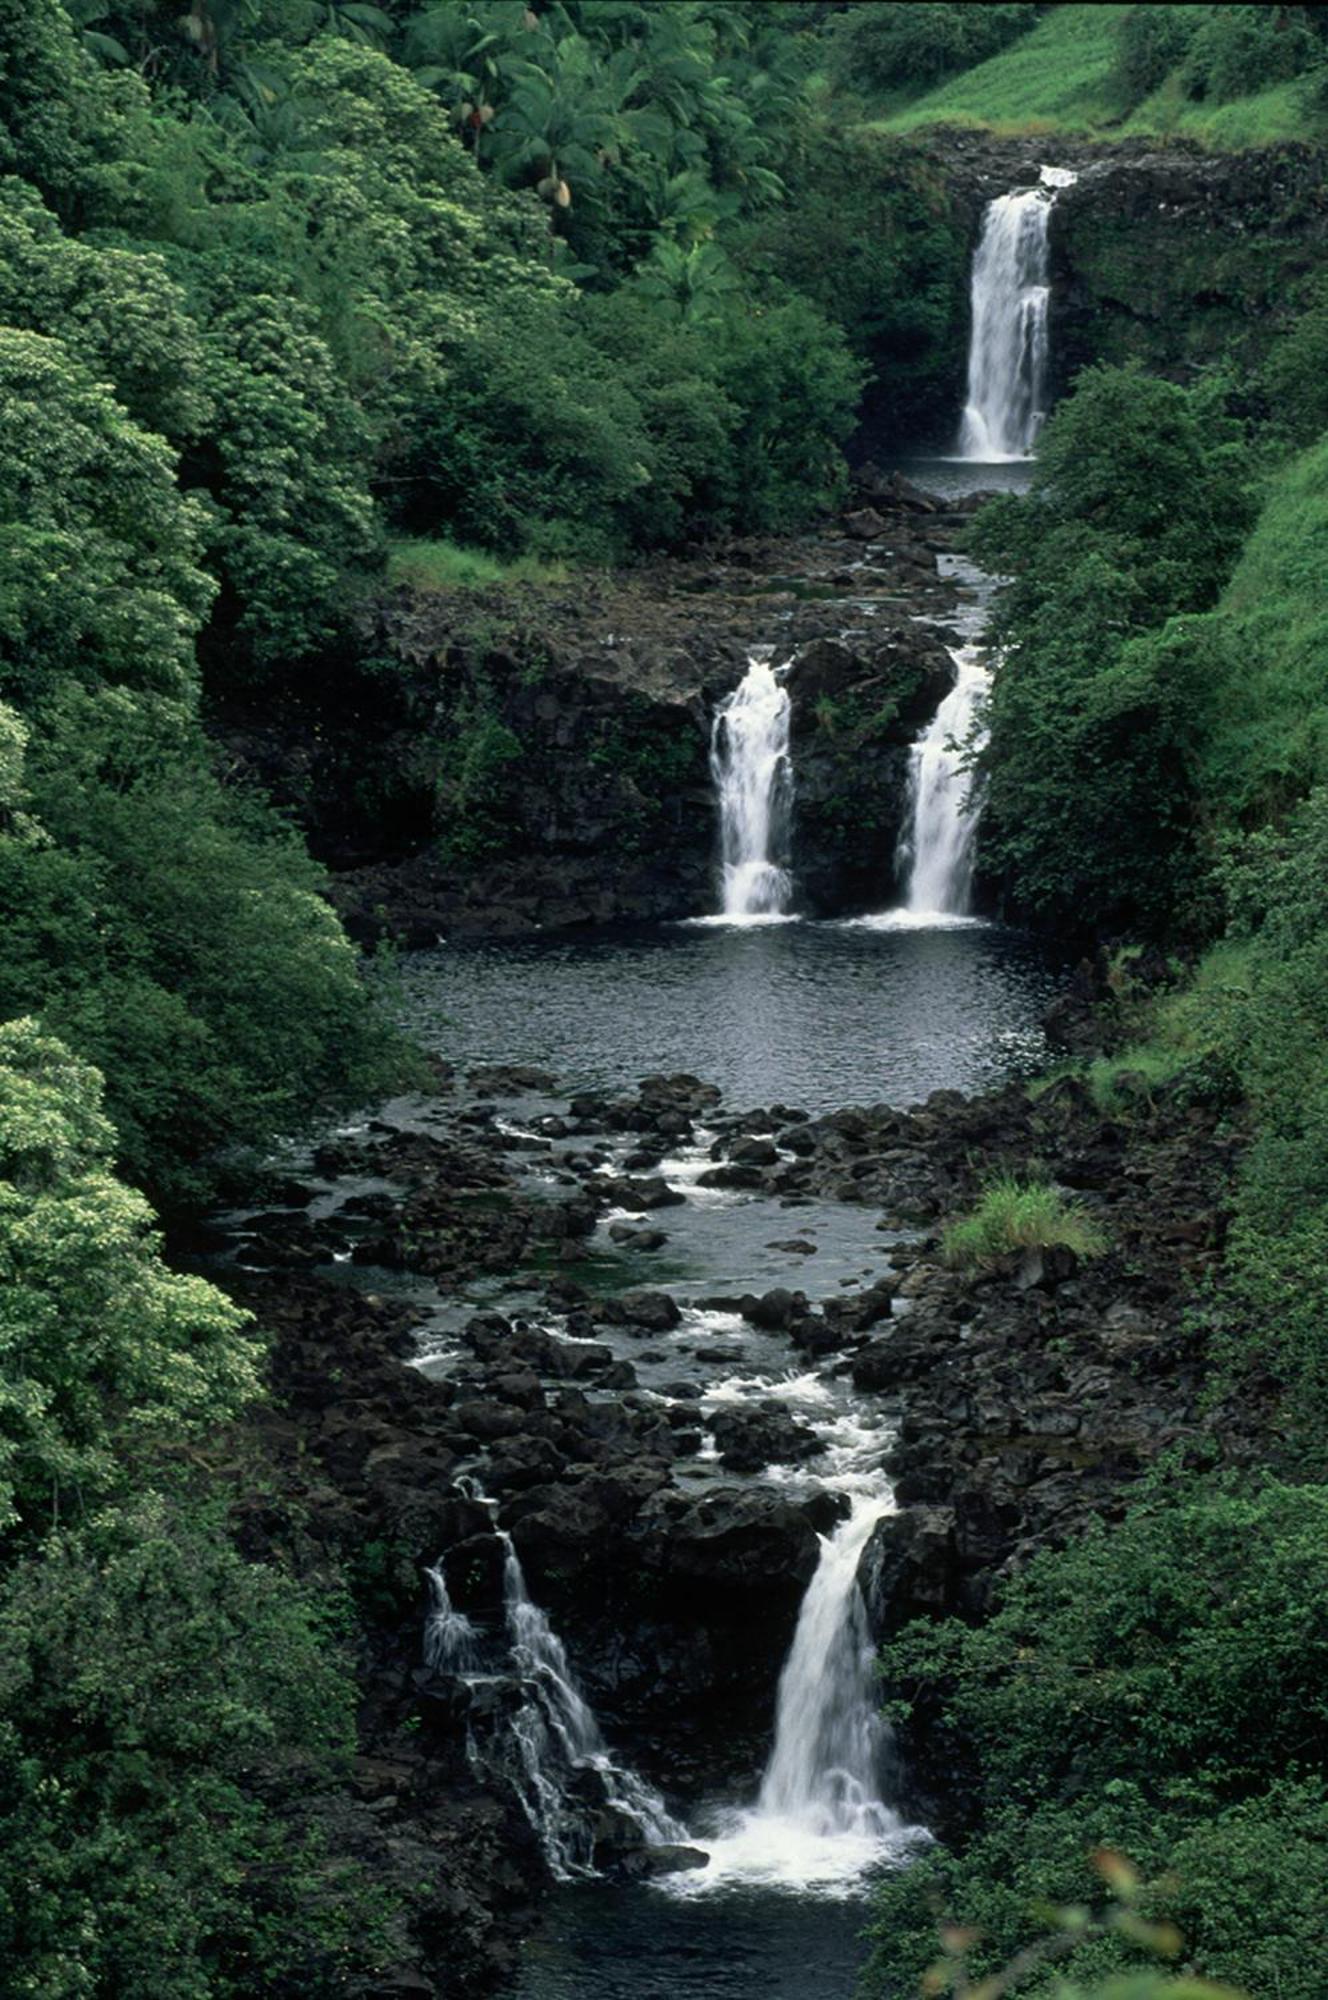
(753, 774)
(749, 760)
(1007, 354)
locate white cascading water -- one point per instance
(749, 759)
(940, 841)
(552, 1744)
(450, 1640)
(1007, 354)
(825, 1771)
(558, 1738)
(820, 1820)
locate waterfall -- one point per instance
(537, 1731)
(940, 842)
(564, 1761)
(749, 759)
(450, 1640)
(1007, 354)
(820, 1819)
(825, 1770)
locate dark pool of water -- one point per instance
(952, 478)
(603, 1943)
(809, 1015)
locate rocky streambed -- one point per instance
(473, 1359)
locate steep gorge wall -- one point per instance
(1176, 258)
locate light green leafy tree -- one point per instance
(98, 1338)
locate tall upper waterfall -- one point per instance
(749, 758)
(1007, 354)
(940, 843)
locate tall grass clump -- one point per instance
(1015, 1215)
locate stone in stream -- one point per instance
(632, 1237)
(656, 1312)
(762, 1434)
(650, 1193)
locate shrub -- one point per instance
(99, 1341)
(1098, 721)
(1151, 41)
(1147, 1687)
(1238, 50)
(893, 46)
(167, 1713)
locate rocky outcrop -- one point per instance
(1176, 258)
(537, 758)
(857, 707)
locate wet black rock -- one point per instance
(760, 1434)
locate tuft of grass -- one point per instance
(1015, 1215)
(447, 565)
(1060, 78)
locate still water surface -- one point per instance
(813, 1015)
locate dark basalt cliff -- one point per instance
(535, 759)
(1175, 257)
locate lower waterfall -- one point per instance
(749, 759)
(541, 1734)
(820, 1820)
(825, 1771)
(569, 1786)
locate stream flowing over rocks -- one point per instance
(639, 1408)
(661, 1469)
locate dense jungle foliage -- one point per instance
(295, 294)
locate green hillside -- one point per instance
(1064, 77)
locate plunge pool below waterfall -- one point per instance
(812, 1015)
(613, 1943)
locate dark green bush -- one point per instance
(1098, 721)
(894, 45)
(166, 1712)
(1151, 42)
(1148, 1687)
(1238, 50)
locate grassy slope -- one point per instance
(1057, 79)
(1272, 737)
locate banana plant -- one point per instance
(355, 21)
(696, 282)
(468, 55)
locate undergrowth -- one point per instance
(447, 565)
